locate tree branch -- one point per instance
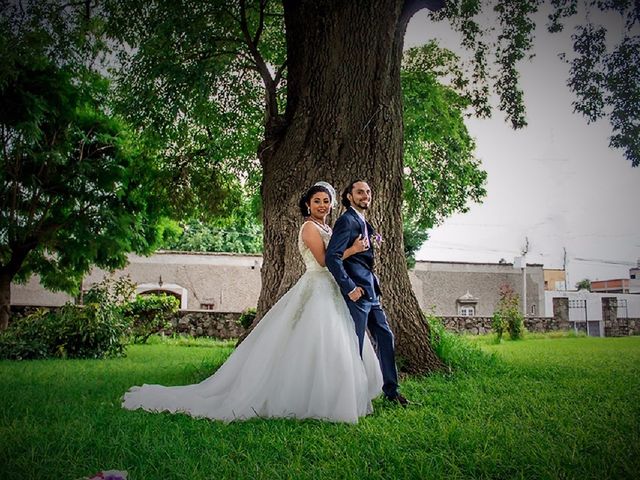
(279, 73)
(256, 37)
(411, 7)
(267, 79)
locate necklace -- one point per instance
(323, 226)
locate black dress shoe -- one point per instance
(400, 400)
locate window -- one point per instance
(466, 311)
(207, 306)
(534, 310)
(633, 275)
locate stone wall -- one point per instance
(223, 325)
(197, 323)
(622, 327)
(482, 325)
(614, 326)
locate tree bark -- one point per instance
(5, 299)
(7, 273)
(343, 122)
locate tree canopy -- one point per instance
(77, 188)
(604, 61)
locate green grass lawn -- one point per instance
(547, 408)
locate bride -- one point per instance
(302, 360)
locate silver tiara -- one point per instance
(332, 192)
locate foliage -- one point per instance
(95, 330)
(456, 351)
(218, 236)
(186, 83)
(413, 237)
(507, 315)
(441, 173)
(111, 292)
(499, 324)
(77, 185)
(149, 314)
(72, 331)
(239, 232)
(584, 284)
(604, 65)
(28, 337)
(247, 317)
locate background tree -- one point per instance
(584, 284)
(604, 62)
(441, 174)
(239, 231)
(76, 189)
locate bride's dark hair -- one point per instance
(306, 198)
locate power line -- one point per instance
(606, 262)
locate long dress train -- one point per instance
(300, 361)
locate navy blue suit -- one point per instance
(357, 271)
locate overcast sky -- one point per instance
(556, 182)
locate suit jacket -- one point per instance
(357, 270)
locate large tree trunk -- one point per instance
(343, 122)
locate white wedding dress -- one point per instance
(300, 361)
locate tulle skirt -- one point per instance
(301, 361)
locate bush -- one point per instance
(508, 315)
(149, 314)
(111, 291)
(91, 331)
(498, 324)
(247, 317)
(26, 337)
(95, 330)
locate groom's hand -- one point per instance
(355, 295)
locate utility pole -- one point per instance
(521, 262)
(564, 268)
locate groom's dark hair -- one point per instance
(345, 201)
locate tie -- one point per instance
(366, 231)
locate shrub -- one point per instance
(95, 330)
(247, 317)
(508, 315)
(72, 331)
(90, 331)
(111, 291)
(498, 324)
(149, 314)
(26, 337)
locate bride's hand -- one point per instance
(360, 244)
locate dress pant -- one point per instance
(369, 314)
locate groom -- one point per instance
(359, 285)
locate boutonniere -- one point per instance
(377, 239)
